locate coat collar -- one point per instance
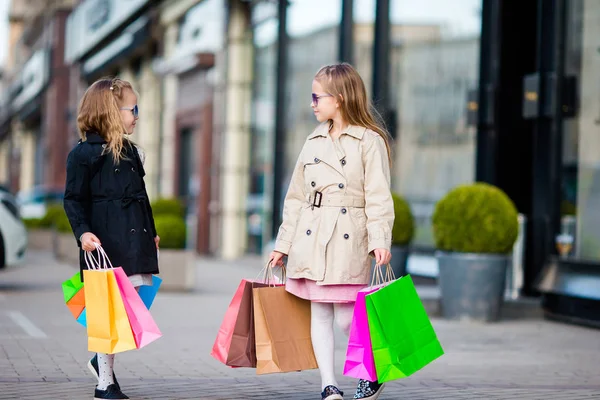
(352, 130)
(94, 138)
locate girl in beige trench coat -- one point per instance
(338, 211)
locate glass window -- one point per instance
(435, 61)
(581, 140)
(265, 26)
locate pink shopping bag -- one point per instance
(359, 355)
(145, 330)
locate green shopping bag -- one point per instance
(71, 286)
(402, 336)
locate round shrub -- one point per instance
(172, 231)
(53, 212)
(404, 222)
(476, 218)
(32, 223)
(168, 207)
(62, 224)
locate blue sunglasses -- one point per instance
(133, 110)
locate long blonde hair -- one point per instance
(99, 112)
(345, 84)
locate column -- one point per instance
(25, 142)
(169, 110)
(236, 141)
(149, 124)
(4, 157)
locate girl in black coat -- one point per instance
(106, 199)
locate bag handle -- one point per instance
(379, 278)
(91, 261)
(104, 257)
(268, 274)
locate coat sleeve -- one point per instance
(77, 200)
(379, 205)
(292, 206)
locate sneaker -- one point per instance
(111, 392)
(332, 393)
(368, 390)
(93, 367)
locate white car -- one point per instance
(13, 234)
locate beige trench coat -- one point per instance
(338, 207)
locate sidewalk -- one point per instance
(43, 351)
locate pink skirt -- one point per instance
(309, 290)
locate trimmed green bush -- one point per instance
(168, 207)
(404, 223)
(172, 231)
(476, 218)
(33, 223)
(62, 224)
(53, 212)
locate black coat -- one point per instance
(110, 200)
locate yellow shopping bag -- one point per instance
(108, 326)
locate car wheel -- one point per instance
(2, 256)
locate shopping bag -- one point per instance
(145, 330)
(82, 320)
(108, 326)
(76, 304)
(71, 286)
(359, 354)
(147, 294)
(235, 342)
(282, 330)
(402, 336)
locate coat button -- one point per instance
(341, 185)
(317, 160)
(145, 231)
(308, 232)
(344, 211)
(132, 231)
(133, 169)
(343, 162)
(346, 236)
(313, 184)
(117, 170)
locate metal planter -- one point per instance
(472, 285)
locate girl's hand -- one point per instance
(382, 256)
(157, 240)
(276, 258)
(87, 241)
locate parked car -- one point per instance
(33, 203)
(13, 234)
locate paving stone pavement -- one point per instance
(43, 352)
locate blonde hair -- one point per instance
(99, 112)
(345, 84)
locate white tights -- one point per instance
(322, 317)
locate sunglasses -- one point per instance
(315, 98)
(133, 110)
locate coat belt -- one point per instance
(338, 200)
(126, 201)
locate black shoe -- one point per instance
(93, 367)
(332, 393)
(111, 392)
(368, 390)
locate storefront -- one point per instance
(194, 37)
(476, 90)
(115, 38)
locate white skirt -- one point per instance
(141, 280)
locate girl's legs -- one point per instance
(322, 317)
(321, 326)
(105, 370)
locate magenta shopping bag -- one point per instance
(359, 355)
(142, 324)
